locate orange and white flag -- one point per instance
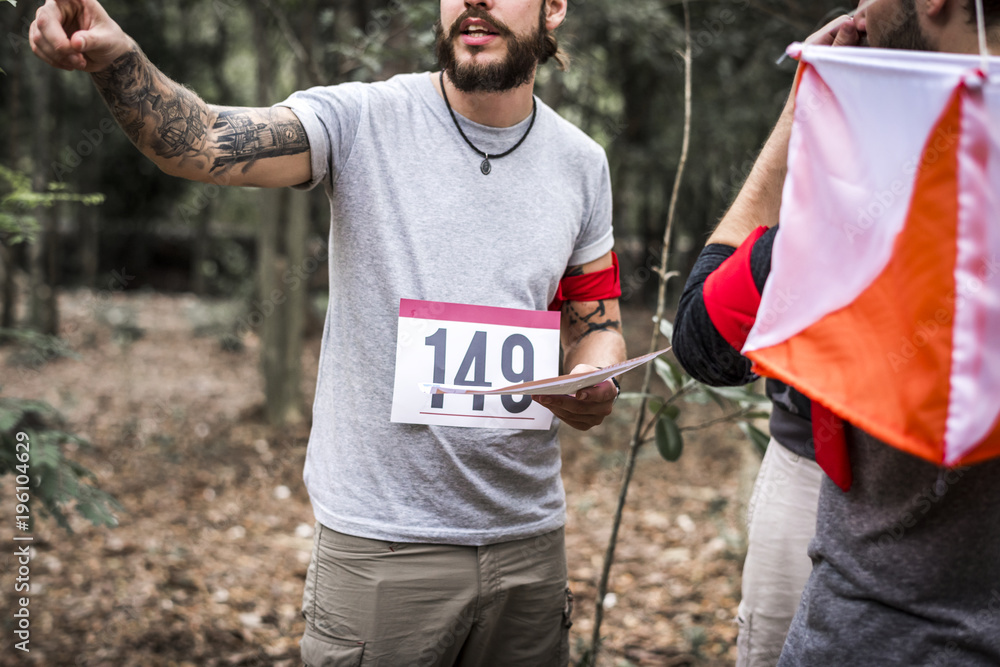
(883, 302)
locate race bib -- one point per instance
(473, 346)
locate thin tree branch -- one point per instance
(720, 420)
(298, 50)
(636, 443)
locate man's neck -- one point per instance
(968, 42)
(491, 109)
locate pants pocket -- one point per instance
(328, 652)
(742, 640)
(564, 631)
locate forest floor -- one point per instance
(207, 564)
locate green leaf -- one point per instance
(714, 394)
(759, 439)
(669, 440)
(10, 415)
(667, 329)
(669, 373)
(741, 395)
(635, 396)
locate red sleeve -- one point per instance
(595, 286)
(731, 296)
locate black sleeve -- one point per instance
(698, 345)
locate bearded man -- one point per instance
(435, 544)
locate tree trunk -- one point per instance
(90, 245)
(7, 283)
(43, 311)
(280, 243)
(296, 232)
(8, 265)
(199, 252)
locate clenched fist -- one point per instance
(77, 35)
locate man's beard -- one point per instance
(907, 33)
(516, 69)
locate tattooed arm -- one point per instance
(591, 333)
(185, 137)
(171, 125)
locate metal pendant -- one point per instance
(486, 167)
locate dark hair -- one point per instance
(991, 12)
(551, 49)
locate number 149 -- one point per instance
(474, 365)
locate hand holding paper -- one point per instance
(588, 407)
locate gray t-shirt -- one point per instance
(906, 566)
(414, 217)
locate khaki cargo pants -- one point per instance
(369, 602)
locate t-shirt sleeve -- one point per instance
(596, 238)
(331, 116)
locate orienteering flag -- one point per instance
(883, 301)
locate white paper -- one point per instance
(561, 385)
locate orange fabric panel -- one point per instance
(884, 362)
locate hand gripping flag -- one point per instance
(883, 302)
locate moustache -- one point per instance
(482, 14)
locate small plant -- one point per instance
(738, 404)
(741, 405)
(18, 201)
(58, 483)
(34, 349)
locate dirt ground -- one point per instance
(207, 564)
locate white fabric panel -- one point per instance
(974, 401)
(852, 161)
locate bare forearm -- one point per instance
(592, 334)
(186, 137)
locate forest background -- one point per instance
(101, 255)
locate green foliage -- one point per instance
(58, 483)
(13, 3)
(36, 348)
(669, 440)
(740, 405)
(18, 201)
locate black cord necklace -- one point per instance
(486, 167)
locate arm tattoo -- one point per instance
(244, 138)
(155, 112)
(171, 121)
(587, 318)
(573, 271)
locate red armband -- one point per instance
(596, 286)
(830, 441)
(731, 296)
